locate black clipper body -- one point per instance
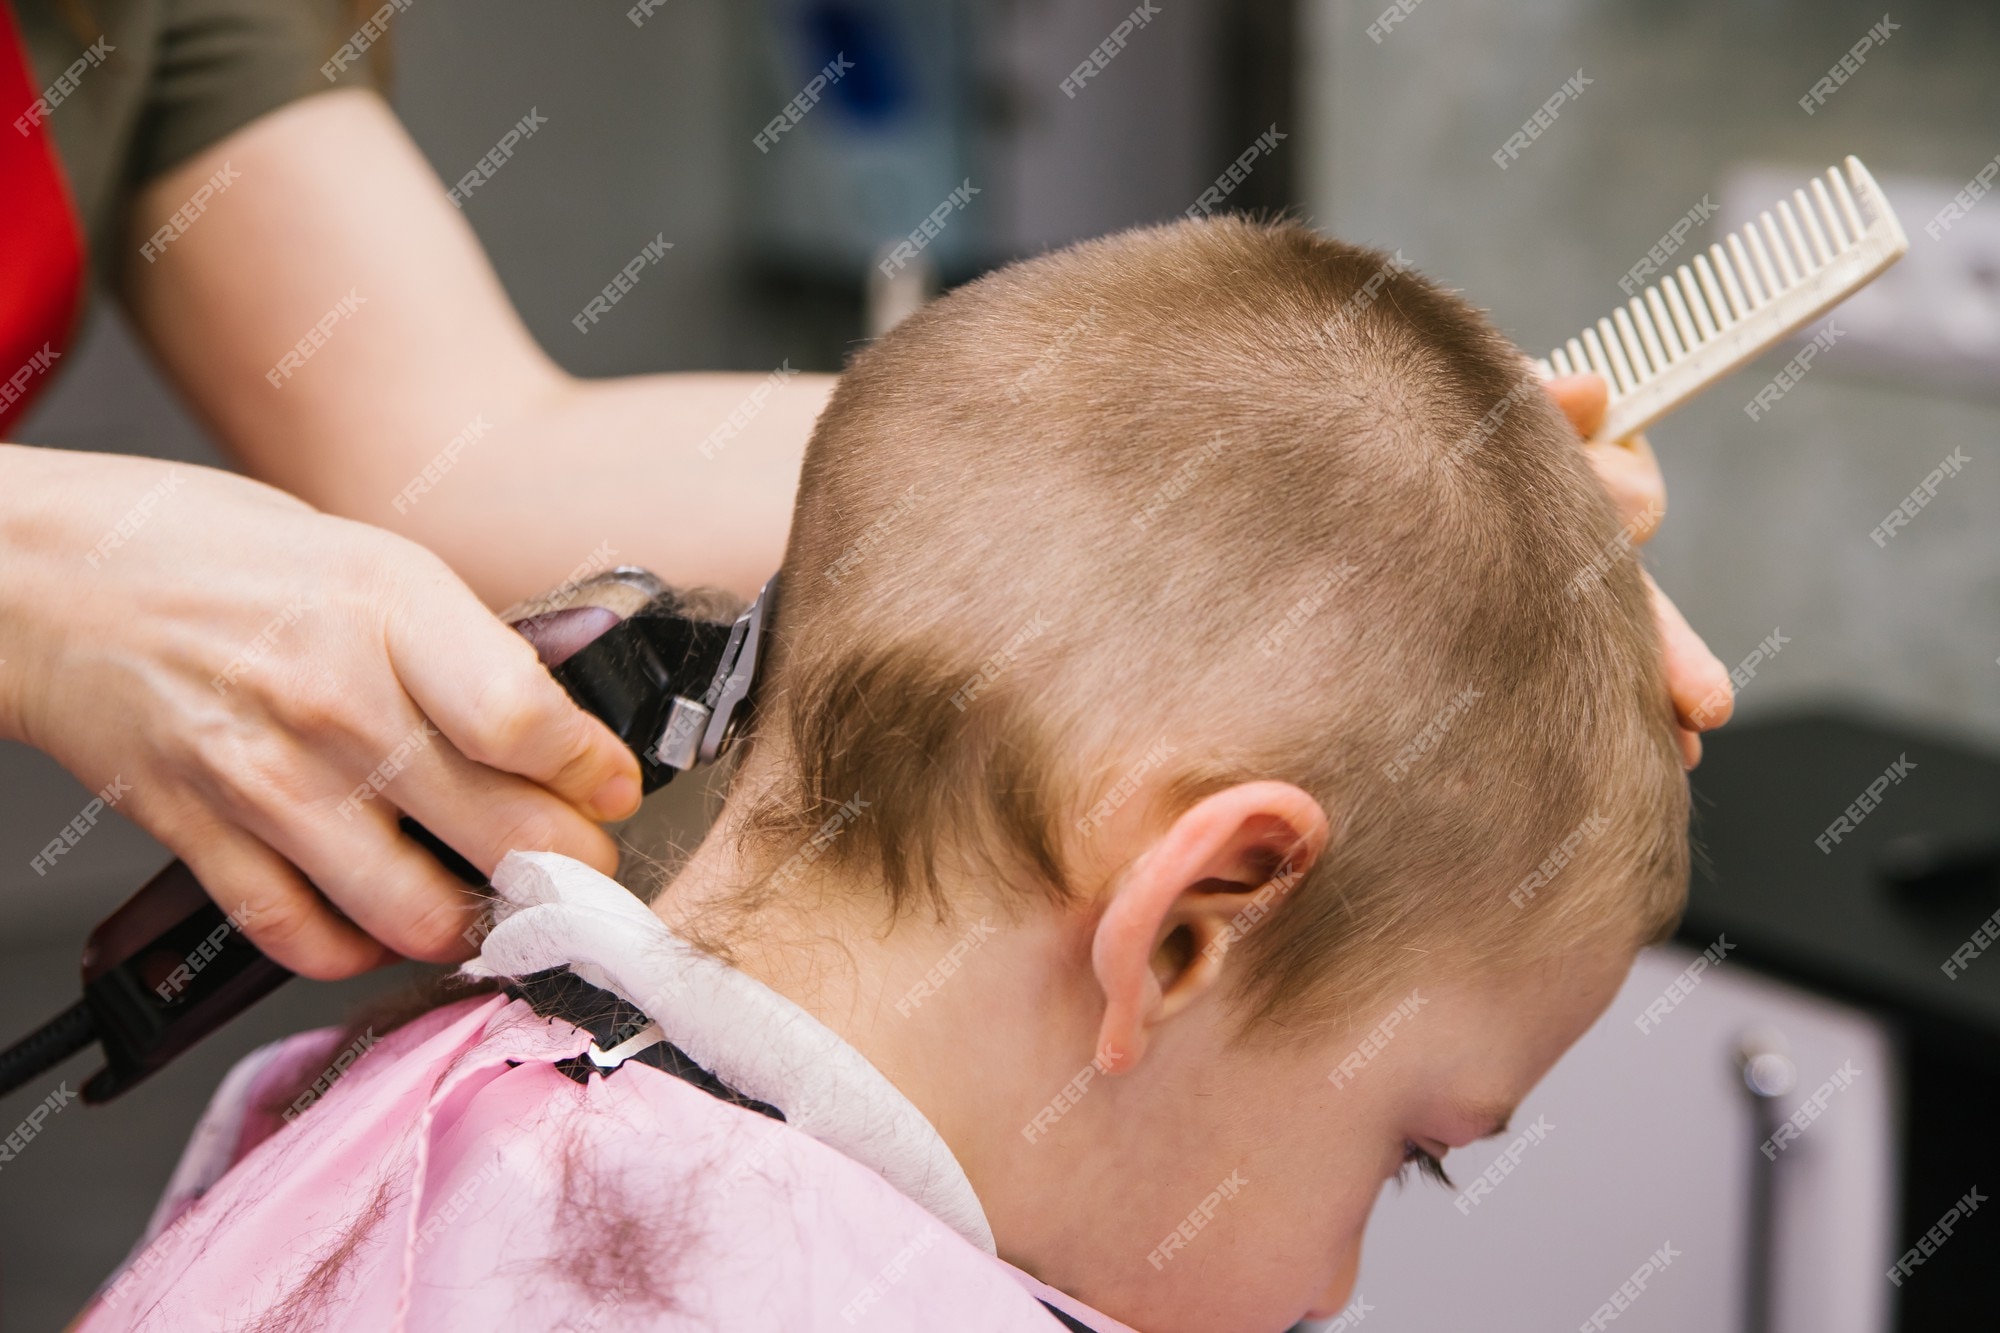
(168, 967)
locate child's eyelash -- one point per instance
(1425, 1164)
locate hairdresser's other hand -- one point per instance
(1703, 697)
(269, 687)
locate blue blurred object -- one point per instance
(878, 150)
(879, 86)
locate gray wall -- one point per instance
(1769, 523)
(635, 146)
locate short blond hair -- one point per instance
(1205, 503)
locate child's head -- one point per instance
(1196, 647)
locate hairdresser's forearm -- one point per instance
(691, 476)
(30, 527)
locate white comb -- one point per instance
(1689, 330)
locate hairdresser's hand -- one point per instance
(1703, 697)
(271, 686)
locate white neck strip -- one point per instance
(556, 912)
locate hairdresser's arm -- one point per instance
(331, 200)
(1700, 686)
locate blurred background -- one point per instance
(1385, 129)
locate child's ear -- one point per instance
(1164, 936)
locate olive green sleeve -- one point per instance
(221, 64)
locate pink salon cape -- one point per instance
(449, 1177)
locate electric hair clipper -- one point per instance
(168, 967)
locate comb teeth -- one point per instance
(1712, 314)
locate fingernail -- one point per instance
(616, 799)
